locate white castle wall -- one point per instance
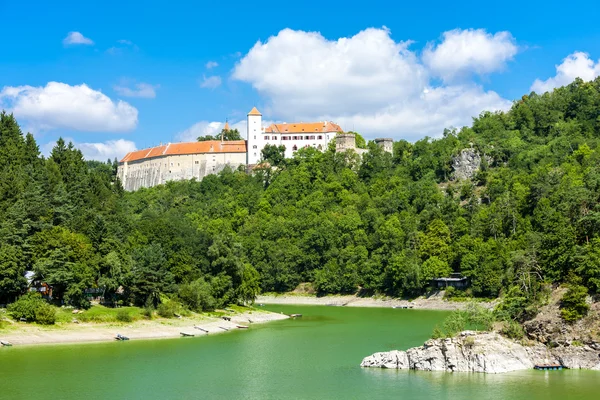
(158, 170)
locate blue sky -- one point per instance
(158, 71)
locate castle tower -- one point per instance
(225, 129)
(255, 138)
(345, 141)
(386, 144)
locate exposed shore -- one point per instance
(434, 302)
(31, 334)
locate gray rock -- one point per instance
(392, 359)
(482, 352)
(466, 164)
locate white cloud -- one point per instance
(144, 90)
(472, 50)
(436, 109)
(201, 128)
(59, 105)
(211, 64)
(576, 65)
(97, 151)
(210, 82)
(204, 128)
(110, 149)
(77, 38)
(125, 45)
(367, 82)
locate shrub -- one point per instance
(455, 323)
(474, 317)
(124, 316)
(437, 333)
(451, 293)
(26, 306)
(168, 309)
(573, 304)
(45, 314)
(518, 305)
(469, 341)
(512, 330)
(197, 295)
(148, 312)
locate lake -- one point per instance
(313, 357)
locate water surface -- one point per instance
(313, 357)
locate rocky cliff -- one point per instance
(467, 163)
(483, 352)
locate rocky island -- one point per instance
(547, 339)
(484, 352)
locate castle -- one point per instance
(180, 161)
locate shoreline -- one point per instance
(22, 334)
(434, 302)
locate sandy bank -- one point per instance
(435, 302)
(30, 334)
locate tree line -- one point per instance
(380, 223)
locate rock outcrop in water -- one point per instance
(483, 352)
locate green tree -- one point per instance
(274, 155)
(574, 304)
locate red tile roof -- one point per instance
(209, 146)
(304, 127)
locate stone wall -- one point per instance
(158, 170)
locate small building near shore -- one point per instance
(38, 285)
(455, 280)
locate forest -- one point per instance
(380, 224)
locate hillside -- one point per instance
(384, 224)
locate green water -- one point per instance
(314, 357)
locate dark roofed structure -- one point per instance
(456, 280)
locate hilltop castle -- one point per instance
(179, 161)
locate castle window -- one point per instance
(171, 164)
(320, 137)
(312, 137)
(197, 162)
(254, 147)
(274, 137)
(266, 138)
(254, 136)
(254, 154)
(295, 148)
(306, 137)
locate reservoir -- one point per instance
(313, 357)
